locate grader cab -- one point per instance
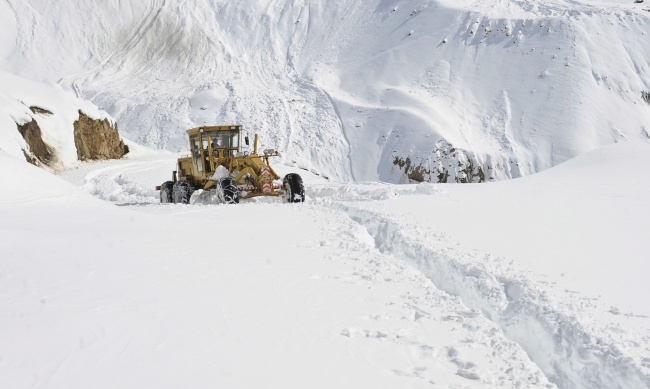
(218, 162)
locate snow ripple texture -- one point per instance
(571, 352)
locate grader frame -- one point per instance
(216, 154)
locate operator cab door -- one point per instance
(195, 146)
(200, 149)
(205, 145)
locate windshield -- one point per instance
(224, 139)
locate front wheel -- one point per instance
(294, 190)
(228, 190)
(182, 191)
(166, 192)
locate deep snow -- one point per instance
(268, 295)
(364, 285)
(534, 282)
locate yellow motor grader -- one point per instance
(217, 163)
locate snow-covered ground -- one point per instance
(536, 282)
(527, 283)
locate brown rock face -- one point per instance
(39, 110)
(40, 152)
(97, 139)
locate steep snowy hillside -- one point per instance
(391, 90)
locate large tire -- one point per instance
(181, 193)
(166, 192)
(228, 191)
(294, 190)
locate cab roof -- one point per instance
(223, 127)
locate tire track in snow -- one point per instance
(571, 354)
(442, 340)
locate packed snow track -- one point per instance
(436, 309)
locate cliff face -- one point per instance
(97, 139)
(94, 140)
(39, 153)
(443, 167)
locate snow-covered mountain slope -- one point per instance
(537, 282)
(531, 283)
(387, 90)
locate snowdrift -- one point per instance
(558, 259)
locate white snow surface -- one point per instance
(346, 87)
(538, 282)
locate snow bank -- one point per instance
(557, 260)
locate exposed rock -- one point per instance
(97, 139)
(29, 157)
(39, 110)
(39, 151)
(94, 139)
(445, 164)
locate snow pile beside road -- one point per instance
(120, 189)
(574, 253)
(573, 351)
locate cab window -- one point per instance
(194, 144)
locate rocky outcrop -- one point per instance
(39, 153)
(39, 110)
(97, 139)
(445, 164)
(94, 140)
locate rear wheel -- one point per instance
(181, 193)
(294, 190)
(166, 192)
(228, 191)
